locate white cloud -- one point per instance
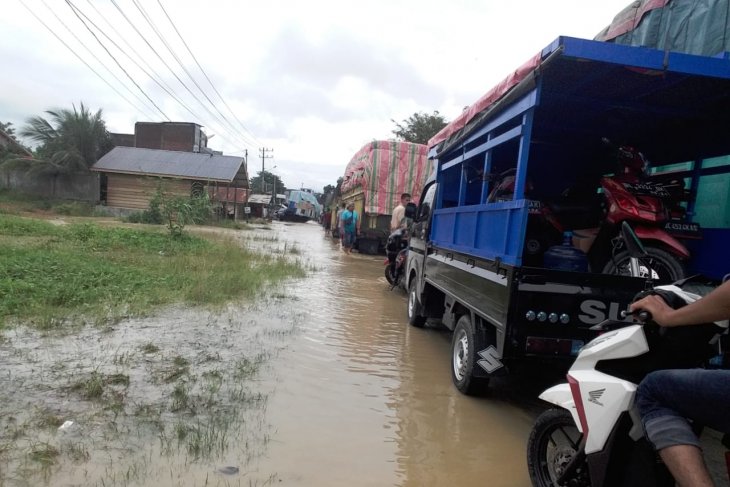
(314, 80)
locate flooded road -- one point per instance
(363, 399)
(320, 383)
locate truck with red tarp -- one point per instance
(375, 178)
(546, 123)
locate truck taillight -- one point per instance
(575, 390)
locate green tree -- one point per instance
(14, 149)
(328, 194)
(327, 190)
(268, 187)
(68, 140)
(419, 127)
(8, 128)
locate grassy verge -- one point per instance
(15, 202)
(49, 273)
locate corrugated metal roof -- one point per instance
(153, 162)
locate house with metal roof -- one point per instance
(131, 175)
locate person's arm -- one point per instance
(713, 307)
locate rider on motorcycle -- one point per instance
(666, 398)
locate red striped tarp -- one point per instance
(385, 169)
(625, 21)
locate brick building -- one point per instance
(173, 136)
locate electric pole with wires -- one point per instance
(264, 153)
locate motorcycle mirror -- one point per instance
(411, 210)
(633, 244)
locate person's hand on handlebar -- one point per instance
(655, 305)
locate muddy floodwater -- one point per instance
(320, 383)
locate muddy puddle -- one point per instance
(321, 383)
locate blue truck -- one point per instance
(468, 266)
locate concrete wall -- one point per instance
(77, 187)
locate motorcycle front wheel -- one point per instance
(659, 265)
(552, 445)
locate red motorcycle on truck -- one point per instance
(594, 217)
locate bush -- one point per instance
(176, 211)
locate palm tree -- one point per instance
(69, 140)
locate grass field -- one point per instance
(50, 274)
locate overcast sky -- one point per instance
(314, 80)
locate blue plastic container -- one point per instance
(566, 257)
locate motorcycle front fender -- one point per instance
(660, 235)
(561, 396)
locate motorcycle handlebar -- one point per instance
(607, 325)
(642, 314)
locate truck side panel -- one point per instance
(482, 290)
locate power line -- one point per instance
(168, 66)
(203, 71)
(80, 15)
(159, 83)
(80, 58)
(73, 9)
(169, 91)
(131, 48)
(98, 60)
(184, 68)
(229, 128)
(264, 155)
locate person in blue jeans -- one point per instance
(668, 398)
(350, 226)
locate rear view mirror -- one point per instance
(633, 244)
(411, 210)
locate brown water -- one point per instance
(346, 394)
(364, 399)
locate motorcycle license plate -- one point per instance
(648, 189)
(683, 229)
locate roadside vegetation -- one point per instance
(13, 202)
(53, 274)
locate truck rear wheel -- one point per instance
(414, 306)
(465, 343)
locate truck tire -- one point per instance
(414, 307)
(465, 343)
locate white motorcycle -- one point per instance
(594, 437)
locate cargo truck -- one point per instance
(375, 178)
(467, 266)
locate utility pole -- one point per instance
(264, 154)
